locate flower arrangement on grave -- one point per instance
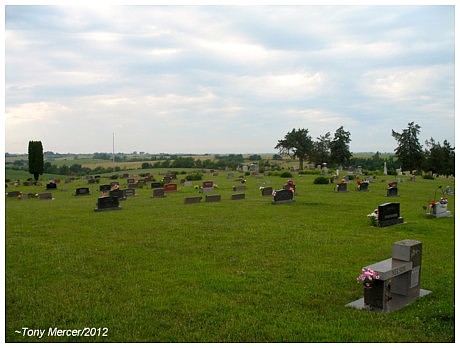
(367, 277)
(443, 200)
(374, 216)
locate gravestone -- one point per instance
(13, 194)
(399, 279)
(237, 196)
(448, 191)
(51, 186)
(120, 194)
(212, 198)
(207, 184)
(130, 181)
(188, 183)
(230, 175)
(167, 179)
(91, 181)
(82, 191)
(364, 186)
(283, 196)
(389, 214)
(267, 191)
(170, 188)
(105, 188)
(342, 187)
(439, 210)
(392, 191)
(207, 189)
(45, 195)
(158, 193)
(130, 192)
(133, 185)
(114, 183)
(192, 200)
(156, 184)
(107, 203)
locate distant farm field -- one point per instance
(159, 270)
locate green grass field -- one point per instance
(232, 271)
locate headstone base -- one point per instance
(106, 209)
(286, 201)
(397, 302)
(391, 222)
(440, 215)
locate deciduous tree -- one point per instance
(296, 144)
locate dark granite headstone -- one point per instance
(212, 198)
(107, 203)
(267, 191)
(158, 193)
(156, 184)
(120, 194)
(364, 186)
(392, 191)
(130, 192)
(237, 196)
(389, 214)
(45, 195)
(51, 186)
(13, 194)
(81, 191)
(283, 196)
(192, 200)
(105, 188)
(342, 187)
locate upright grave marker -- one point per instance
(283, 196)
(107, 203)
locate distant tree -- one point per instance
(322, 149)
(254, 158)
(409, 150)
(277, 157)
(340, 149)
(439, 159)
(36, 162)
(296, 144)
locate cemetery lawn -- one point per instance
(159, 270)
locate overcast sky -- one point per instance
(225, 79)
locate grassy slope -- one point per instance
(233, 271)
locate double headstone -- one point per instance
(364, 186)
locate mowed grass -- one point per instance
(232, 271)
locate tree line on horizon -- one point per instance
(334, 152)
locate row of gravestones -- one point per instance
(392, 190)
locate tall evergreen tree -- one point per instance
(409, 150)
(36, 163)
(340, 149)
(296, 144)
